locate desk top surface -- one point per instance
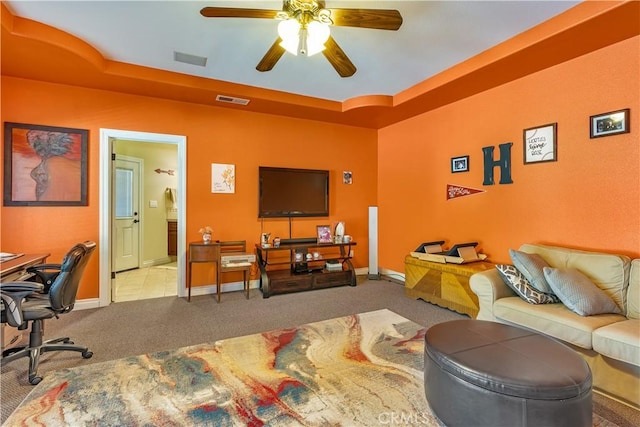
(21, 261)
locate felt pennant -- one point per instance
(456, 191)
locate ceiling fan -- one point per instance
(304, 29)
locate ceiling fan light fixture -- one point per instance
(317, 35)
(300, 39)
(289, 32)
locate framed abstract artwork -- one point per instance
(44, 165)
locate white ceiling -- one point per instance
(434, 36)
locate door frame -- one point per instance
(107, 138)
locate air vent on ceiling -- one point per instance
(232, 100)
(189, 59)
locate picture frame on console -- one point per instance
(324, 233)
(611, 123)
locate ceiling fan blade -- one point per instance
(338, 59)
(381, 19)
(272, 56)
(232, 12)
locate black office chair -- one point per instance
(26, 302)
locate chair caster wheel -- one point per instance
(87, 354)
(35, 380)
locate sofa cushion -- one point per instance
(633, 294)
(521, 286)
(531, 265)
(578, 293)
(619, 341)
(554, 320)
(609, 272)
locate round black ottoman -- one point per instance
(479, 373)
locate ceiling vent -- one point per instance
(189, 59)
(232, 100)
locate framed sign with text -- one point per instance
(541, 144)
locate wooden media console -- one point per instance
(281, 272)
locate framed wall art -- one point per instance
(223, 178)
(44, 165)
(460, 164)
(611, 123)
(324, 233)
(541, 144)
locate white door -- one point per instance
(126, 213)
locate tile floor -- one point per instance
(149, 282)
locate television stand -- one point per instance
(280, 273)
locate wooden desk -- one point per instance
(446, 285)
(13, 269)
(200, 252)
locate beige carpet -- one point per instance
(149, 326)
(359, 370)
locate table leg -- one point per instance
(189, 280)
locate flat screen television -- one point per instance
(287, 192)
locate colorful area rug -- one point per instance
(360, 370)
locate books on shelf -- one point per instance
(333, 265)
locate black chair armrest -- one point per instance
(33, 268)
(12, 294)
(45, 274)
(20, 287)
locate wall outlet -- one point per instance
(153, 203)
(351, 253)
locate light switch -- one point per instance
(153, 203)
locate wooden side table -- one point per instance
(446, 285)
(200, 252)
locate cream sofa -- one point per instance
(610, 343)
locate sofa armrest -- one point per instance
(489, 287)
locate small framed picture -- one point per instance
(324, 233)
(347, 177)
(611, 123)
(540, 144)
(460, 164)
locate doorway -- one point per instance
(108, 181)
(127, 192)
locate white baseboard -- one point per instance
(393, 274)
(85, 304)
(362, 271)
(226, 287)
(89, 303)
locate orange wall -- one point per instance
(589, 198)
(214, 135)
